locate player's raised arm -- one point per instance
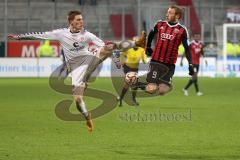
(49, 35)
(93, 38)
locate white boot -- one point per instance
(185, 92)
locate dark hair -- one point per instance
(72, 14)
(178, 10)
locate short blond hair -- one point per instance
(178, 10)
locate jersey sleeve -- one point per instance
(94, 39)
(152, 34)
(49, 35)
(185, 42)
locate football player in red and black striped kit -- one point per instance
(196, 49)
(170, 34)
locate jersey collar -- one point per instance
(195, 42)
(81, 31)
(170, 24)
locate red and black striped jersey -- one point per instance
(169, 37)
(196, 50)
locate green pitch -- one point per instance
(190, 128)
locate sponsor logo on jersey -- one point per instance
(77, 47)
(75, 44)
(165, 36)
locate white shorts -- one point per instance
(85, 68)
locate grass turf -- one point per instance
(30, 129)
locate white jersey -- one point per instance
(73, 44)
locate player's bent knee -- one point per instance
(79, 90)
(151, 88)
(194, 77)
(78, 99)
(194, 80)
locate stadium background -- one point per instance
(30, 128)
(116, 20)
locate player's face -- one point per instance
(197, 37)
(77, 22)
(171, 15)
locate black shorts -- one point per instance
(195, 68)
(160, 73)
(127, 69)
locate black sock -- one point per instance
(196, 86)
(124, 91)
(189, 84)
(134, 93)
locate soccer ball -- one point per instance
(131, 78)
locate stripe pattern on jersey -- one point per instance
(168, 40)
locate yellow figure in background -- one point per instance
(45, 50)
(230, 49)
(181, 50)
(130, 61)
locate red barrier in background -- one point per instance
(29, 48)
(116, 24)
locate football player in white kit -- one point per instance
(75, 41)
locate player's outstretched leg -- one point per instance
(124, 45)
(107, 50)
(160, 89)
(127, 44)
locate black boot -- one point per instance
(134, 94)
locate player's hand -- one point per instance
(149, 51)
(206, 62)
(191, 70)
(13, 37)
